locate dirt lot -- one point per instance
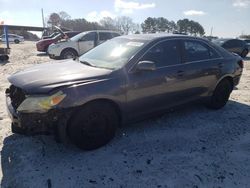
(187, 147)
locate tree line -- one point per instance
(185, 26)
(126, 25)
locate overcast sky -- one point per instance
(229, 18)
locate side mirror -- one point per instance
(146, 66)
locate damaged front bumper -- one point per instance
(33, 123)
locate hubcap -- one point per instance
(69, 55)
(94, 126)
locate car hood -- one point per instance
(50, 40)
(45, 77)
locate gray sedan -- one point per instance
(122, 80)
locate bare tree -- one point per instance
(64, 15)
(54, 19)
(124, 24)
(108, 23)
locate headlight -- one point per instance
(41, 104)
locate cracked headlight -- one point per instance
(41, 104)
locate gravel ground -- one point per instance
(187, 147)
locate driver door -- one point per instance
(150, 91)
(87, 42)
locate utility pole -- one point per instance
(43, 19)
(211, 33)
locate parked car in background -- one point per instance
(233, 45)
(248, 43)
(42, 45)
(124, 79)
(79, 44)
(50, 36)
(12, 38)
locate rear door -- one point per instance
(201, 68)
(11, 38)
(87, 42)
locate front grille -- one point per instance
(16, 95)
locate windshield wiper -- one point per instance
(91, 65)
(87, 63)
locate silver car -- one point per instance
(12, 38)
(79, 44)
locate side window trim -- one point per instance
(132, 67)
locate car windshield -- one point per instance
(57, 36)
(53, 34)
(78, 37)
(112, 54)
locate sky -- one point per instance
(227, 18)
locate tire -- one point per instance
(93, 126)
(220, 95)
(4, 57)
(244, 53)
(16, 41)
(68, 54)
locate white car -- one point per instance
(12, 38)
(79, 44)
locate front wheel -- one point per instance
(221, 95)
(68, 54)
(93, 126)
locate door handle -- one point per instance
(180, 73)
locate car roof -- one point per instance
(155, 36)
(72, 32)
(107, 31)
(227, 39)
(98, 31)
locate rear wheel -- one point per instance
(93, 126)
(16, 41)
(68, 54)
(221, 95)
(244, 53)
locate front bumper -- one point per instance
(32, 123)
(40, 48)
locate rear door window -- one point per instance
(103, 36)
(89, 37)
(197, 51)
